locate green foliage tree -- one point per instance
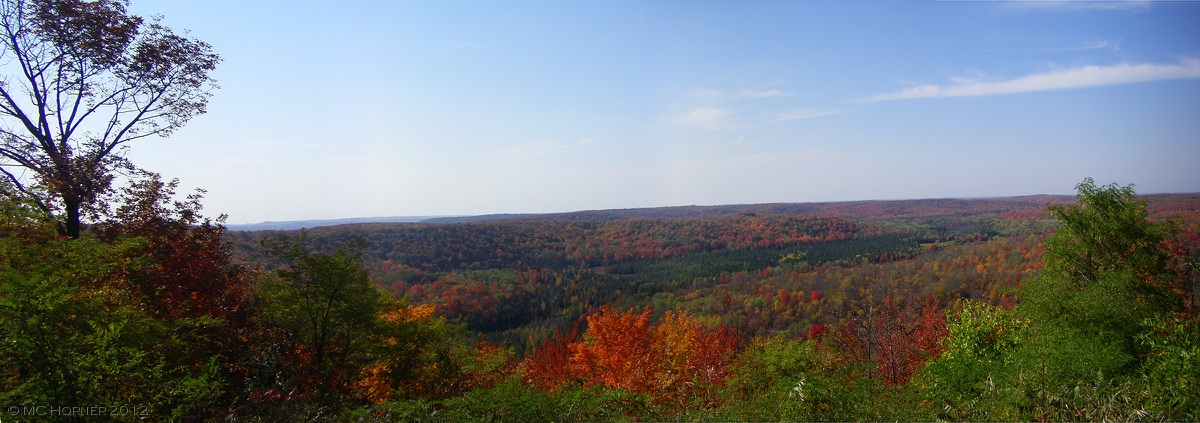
(1108, 231)
(88, 79)
(1093, 333)
(1171, 372)
(973, 379)
(515, 401)
(73, 334)
(792, 380)
(327, 311)
(1106, 271)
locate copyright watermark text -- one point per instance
(80, 411)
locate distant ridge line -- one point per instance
(858, 209)
(315, 223)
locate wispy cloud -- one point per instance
(723, 109)
(717, 119)
(707, 117)
(743, 143)
(1096, 45)
(1088, 76)
(1076, 4)
(1060, 46)
(761, 93)
(801, 113)
(718, 95)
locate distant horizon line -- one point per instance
(265, 225)
(420, 218)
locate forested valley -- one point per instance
(1051, 308)
(120, 300)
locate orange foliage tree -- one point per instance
(693, 360)
(676, 361)
(616, 350)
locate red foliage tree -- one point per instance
(894, 340)
(712, 361)
(192, 272)
(816, 330)
(549, 365)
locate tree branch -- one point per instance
(26, 193)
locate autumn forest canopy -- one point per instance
(116, 291)
(1085, 309)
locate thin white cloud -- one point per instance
(741, 142)
(1077, 4)
(762, 93)
(800, 113)
(1059, 46)
(1088, 76)
(1097, 45)
(707, 117)
(712, 95)
(719, 119)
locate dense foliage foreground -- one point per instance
(1084, 311)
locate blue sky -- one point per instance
(343, 109)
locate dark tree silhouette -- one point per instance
(83, 79)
